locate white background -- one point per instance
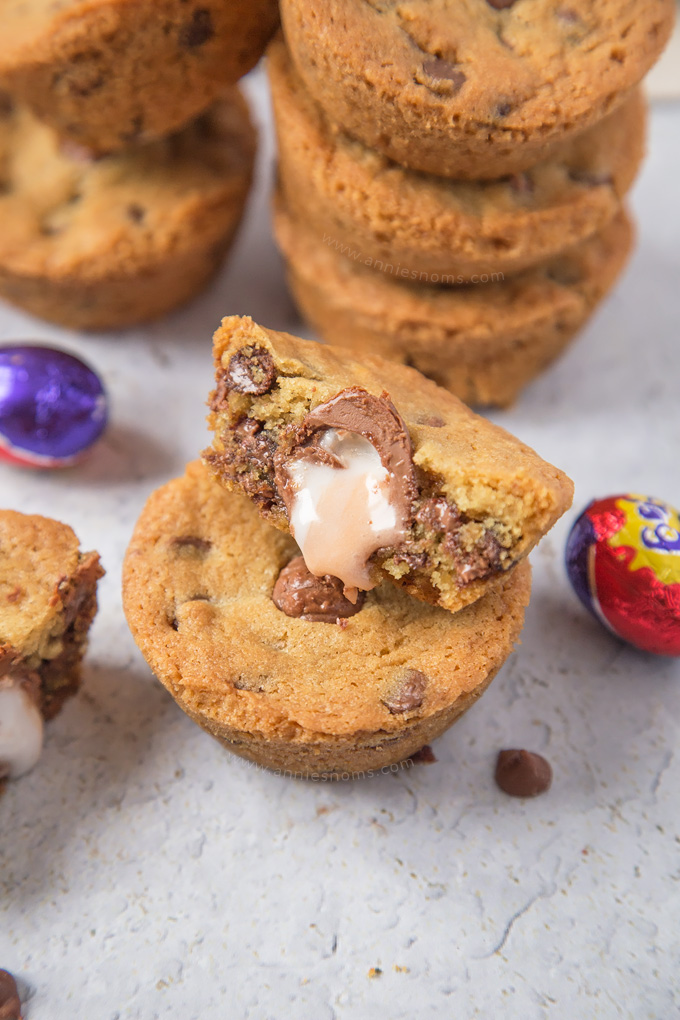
(145, 872)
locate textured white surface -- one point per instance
(144, 872)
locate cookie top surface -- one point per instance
(520, 66)
(42, 27)
(199, 577)
(37, 555)
(483, 314)
(432, 222)
(63, 213)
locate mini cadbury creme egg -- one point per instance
(623, 560)
(53, 407)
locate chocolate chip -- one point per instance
(482, 561)
(10, 1004)
(446, 71)
(425, 756)
(522, 773)
(191, 545)
(198, 30)
(248, 458)
(500, 5)
(135, 212)
(300, 594)
(251, 370)
(438, 515)
(408, 694)
(413, 560)
(503, 109)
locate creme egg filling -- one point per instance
(21, 731)
(341, 515)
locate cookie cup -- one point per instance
(309, 699)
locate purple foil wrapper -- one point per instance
(53, 407)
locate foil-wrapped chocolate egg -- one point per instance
(53, 406)
(623, 560)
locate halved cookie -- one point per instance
(376, 471)
(48, 599)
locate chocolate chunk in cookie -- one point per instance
(251, 371)
(408, 694)
(299, 593)
(198, 30)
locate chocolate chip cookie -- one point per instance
(365, 206)
(377, 472)
(232, 623)
(473, 89)
(114, 73)
(484, 341)
(96, 244)
(48, 599)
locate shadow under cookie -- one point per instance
(307, 698)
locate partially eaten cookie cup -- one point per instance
(377, 472)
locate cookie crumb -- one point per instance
(425, 756)
(374, 972)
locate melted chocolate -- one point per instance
(377, 420)
(300, 594)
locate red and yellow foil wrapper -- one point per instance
(623, 560)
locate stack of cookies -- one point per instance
(126, 151)
(451, 175)
(345, 572)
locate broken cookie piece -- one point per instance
(342, 456)
(47, 603)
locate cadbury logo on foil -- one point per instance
(651, 530)
(661, 535)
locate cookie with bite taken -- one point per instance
(230, 620)
(376, 472)
(48, 600)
